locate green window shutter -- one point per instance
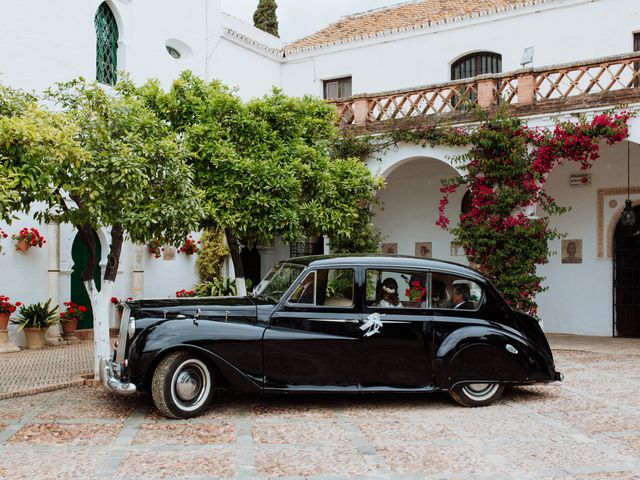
(106, 45)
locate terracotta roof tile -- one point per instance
(405, 16)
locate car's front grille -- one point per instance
(122, 335)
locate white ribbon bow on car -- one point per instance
(372, 325)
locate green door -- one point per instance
(80, 256)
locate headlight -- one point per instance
(131, 330)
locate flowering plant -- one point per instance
(185, 293)
(2, 236)
(31, 236)
(120, 303)
(155, 248)
(190, 246)
(416, 292)
(6, 306)
(73, 311)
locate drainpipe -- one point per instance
(53, 262)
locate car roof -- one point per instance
(386, 261)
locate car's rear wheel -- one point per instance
(477, 394)
(182, 385)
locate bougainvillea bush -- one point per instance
(506, 231)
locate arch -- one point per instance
(476, 63)
(611, 229)
(404, 153)
(107, 36)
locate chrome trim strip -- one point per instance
(333, 320)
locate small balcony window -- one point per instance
(479, 63)
(337, 88)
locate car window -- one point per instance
(455, 292)
(327, 288)
(396, 289)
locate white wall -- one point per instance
(562, 31)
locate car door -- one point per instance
(312, 341)
(398, 355)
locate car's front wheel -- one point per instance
(477, 394)
(182, 385)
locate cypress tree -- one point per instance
(265, 17)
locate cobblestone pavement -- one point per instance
(588, 428)
(30, 371)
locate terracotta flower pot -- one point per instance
(22, 246)
(35, 338)
(69, 327)
(4, 321)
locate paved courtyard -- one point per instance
(589, 428)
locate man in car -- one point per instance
(462, 297)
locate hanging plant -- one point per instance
(27, 238)
(190, 246)
(154, 247)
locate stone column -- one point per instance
(138, 271)
(53, 254)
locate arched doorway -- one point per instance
(626, 279)
(80, 256)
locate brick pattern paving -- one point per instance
(33, 371)
(587, 429)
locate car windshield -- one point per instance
(278, 281)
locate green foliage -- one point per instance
(265, 166)
(265, 17)
(36, 315)
(212, 255)
(136, 175)
(218, 288)
(35, 146)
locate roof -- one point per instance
(405, 16)
(381, 260)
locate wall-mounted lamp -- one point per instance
(628, 215)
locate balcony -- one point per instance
(602, 82)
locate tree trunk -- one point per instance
(234, 250)
(100, 302)
(87, 236)
(113, 259)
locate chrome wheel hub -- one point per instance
(191, 385)
(188, 385)
(480, 391)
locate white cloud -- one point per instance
(298, 18)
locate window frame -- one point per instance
(106, 44)
(477, 58)
(481, 301)
(289, 304)
(327, 82)
(399, 270)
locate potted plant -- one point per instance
(190, 246)
(27, 238)
(34, 320)
(154, 247)
(6, 309)
(185, 293)
(69, 319)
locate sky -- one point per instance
(298, 18)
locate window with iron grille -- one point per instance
(106, 45)
(479, 63)
(337, 88)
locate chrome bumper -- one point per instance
(112, 382)
(558, 378)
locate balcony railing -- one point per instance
(568, 83)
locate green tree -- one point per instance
(265, 17)
(265, 166)
(108, 162)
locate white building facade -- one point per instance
(399, 48)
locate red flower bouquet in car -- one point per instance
(27, 238)
(190, 246)
(71, 316)
(6, 309)
(416, 292)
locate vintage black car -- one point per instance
(333, 324)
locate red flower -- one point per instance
(114, 300)
(82, 309)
